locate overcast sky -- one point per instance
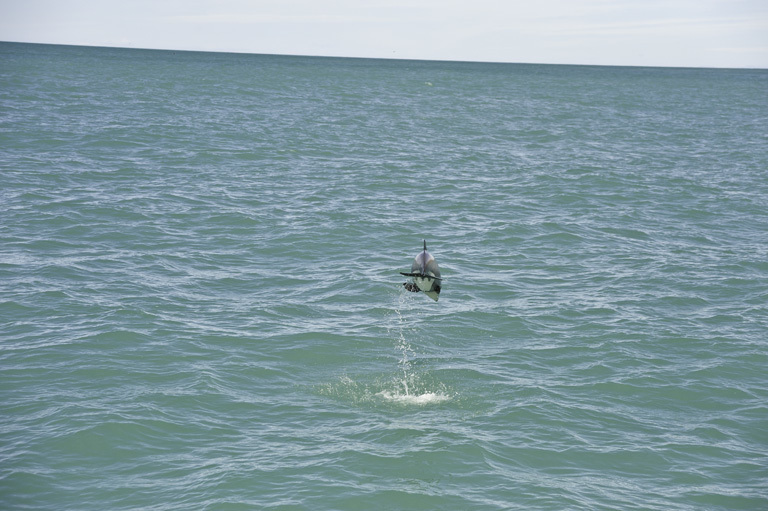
(697, 33)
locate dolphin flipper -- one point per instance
(410, 286)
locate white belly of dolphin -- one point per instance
(423, 284)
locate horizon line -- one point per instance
(298, 55)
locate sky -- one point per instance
(679, 33)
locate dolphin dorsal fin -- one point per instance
(425, 245)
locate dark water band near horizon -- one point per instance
(201, 304)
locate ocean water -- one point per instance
(201, 305)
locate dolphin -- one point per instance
(426, 275)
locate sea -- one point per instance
(201, 305)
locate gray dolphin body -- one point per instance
(426, 275)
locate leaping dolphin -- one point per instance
(426, 275)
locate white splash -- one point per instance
(413, 399)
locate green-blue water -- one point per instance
(201, 305)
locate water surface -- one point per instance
(201, 305)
